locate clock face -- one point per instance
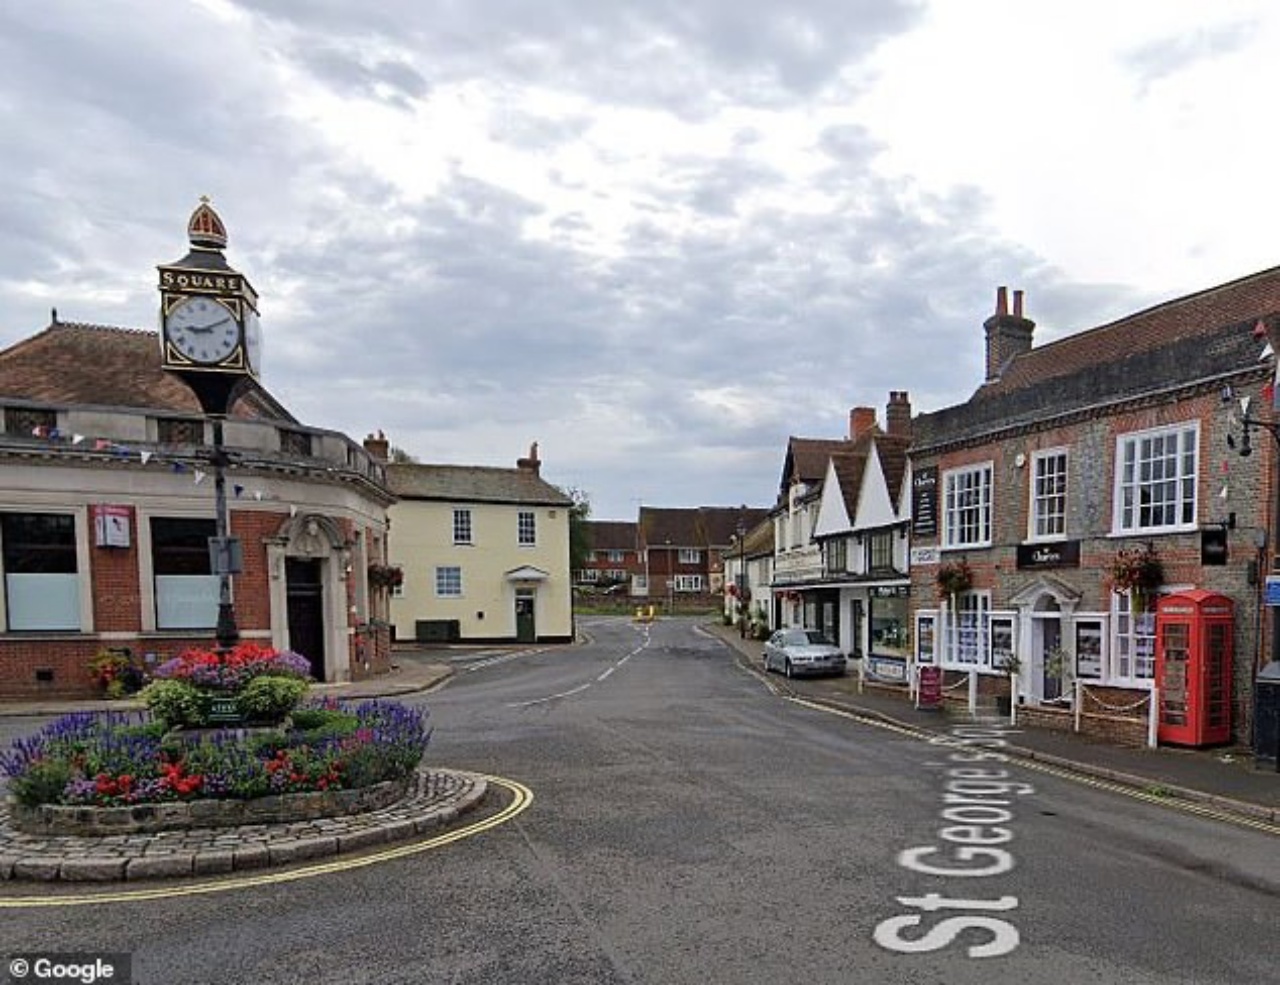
(202, 330)
(253, 340)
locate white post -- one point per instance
(1153, 718)
(973, 692)
(1079, 701)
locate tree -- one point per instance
(400, 457)
(579, 535)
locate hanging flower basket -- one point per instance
(385, 576)
(953, 578)
(1138, 571)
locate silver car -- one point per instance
(802, 651)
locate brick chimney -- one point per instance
(532, 463)
(861, 420)
(379, 447)
(1008, 335)
(897, 415)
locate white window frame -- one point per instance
(940, 637)
(49, 601)
(463, 532)
(527, 528)
(689, 555)
(688, 583)
(1132, 658)
(952, 509)
(1128, 486)
(616, 557)
(448, 578)
(1048, 507)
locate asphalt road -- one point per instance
(689, 826)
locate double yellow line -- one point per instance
(521, 798)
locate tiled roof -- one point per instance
(892, 449)
(806, 459)
(473, 484)
(71, 364)
(611, 535)
(850, 468)
(1196, 338)
(696, 526)
(720, 523)
(678, 527)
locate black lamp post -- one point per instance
(740, 576)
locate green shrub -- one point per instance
(270, 699)
(175, 703)
(43, 783)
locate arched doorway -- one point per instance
(1046, 613)
(309, 557)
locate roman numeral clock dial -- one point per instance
(203, 330)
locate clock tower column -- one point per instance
(209, 339)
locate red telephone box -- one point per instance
(1194, 634)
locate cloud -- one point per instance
(1158, 59)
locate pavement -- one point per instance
(1228, 780)
(1225, 778)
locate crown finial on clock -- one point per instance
(205, 228)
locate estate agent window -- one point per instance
(1156, 480)
(42, 587)
(186, 587)
(890, 616)
(966, 507)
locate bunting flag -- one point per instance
(1260, 329)
(1223, 494)
(1267, 352)
(1225, 467)
(1244, 405)
(178, 467)
(1269, 393)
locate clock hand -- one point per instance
(212, 325)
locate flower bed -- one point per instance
(119, 760)
(248, 684)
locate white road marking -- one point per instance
(605, 674)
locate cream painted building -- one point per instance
(484, 551)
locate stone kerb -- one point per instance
(58, 820)
(433, 798)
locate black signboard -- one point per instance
(924, 502)
(1213, 546)
(1062, 554)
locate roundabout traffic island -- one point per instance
(225, 772)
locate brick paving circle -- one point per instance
(435, 798)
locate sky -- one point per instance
(657, 237)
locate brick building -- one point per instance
(1117, 439)
(613, 559)
(107, 506)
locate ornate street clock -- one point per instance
(209, 332)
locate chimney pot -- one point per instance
(1017, 304)
(378, 447)
(1002, 300)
